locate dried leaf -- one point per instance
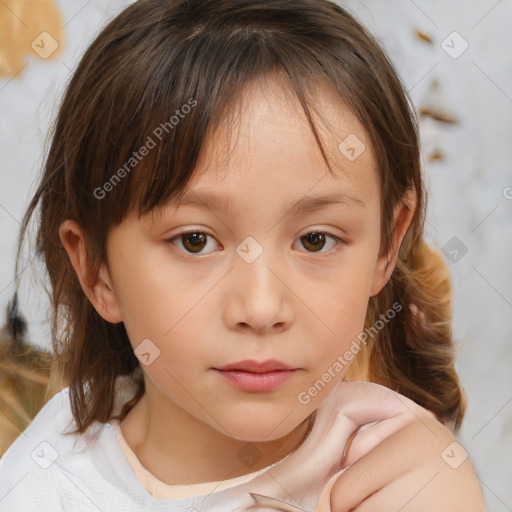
(422, 36)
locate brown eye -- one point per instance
(192, 242)
(315, 241)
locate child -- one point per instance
(231, 219)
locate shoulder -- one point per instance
(49, 469)
(26, 465)
(28, 473)
(46, 425)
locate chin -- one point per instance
(261, 426)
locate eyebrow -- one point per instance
(205, 200)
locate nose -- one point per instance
(258, 296)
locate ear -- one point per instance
(385, 264)
(100, 290)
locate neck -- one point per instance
(178, 449)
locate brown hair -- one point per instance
(143, 68)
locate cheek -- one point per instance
(157, 300)
(339, 304)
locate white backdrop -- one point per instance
(470, 198)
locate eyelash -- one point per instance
(326, 254)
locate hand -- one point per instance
(404, 462)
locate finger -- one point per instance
(365, 439)
(366, 402)
(348, 407)
(377, 469)
(362, 404)
(353, 405)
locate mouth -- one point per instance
(257, 377)
(249, 365)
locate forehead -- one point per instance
(264, 144)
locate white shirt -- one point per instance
(46, 470)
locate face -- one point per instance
(269, 272)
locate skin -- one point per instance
(291, 303)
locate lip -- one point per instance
(257, 377)
(249, 365)
(256, 382)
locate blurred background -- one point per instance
(455, 59)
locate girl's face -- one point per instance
(283, 262)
